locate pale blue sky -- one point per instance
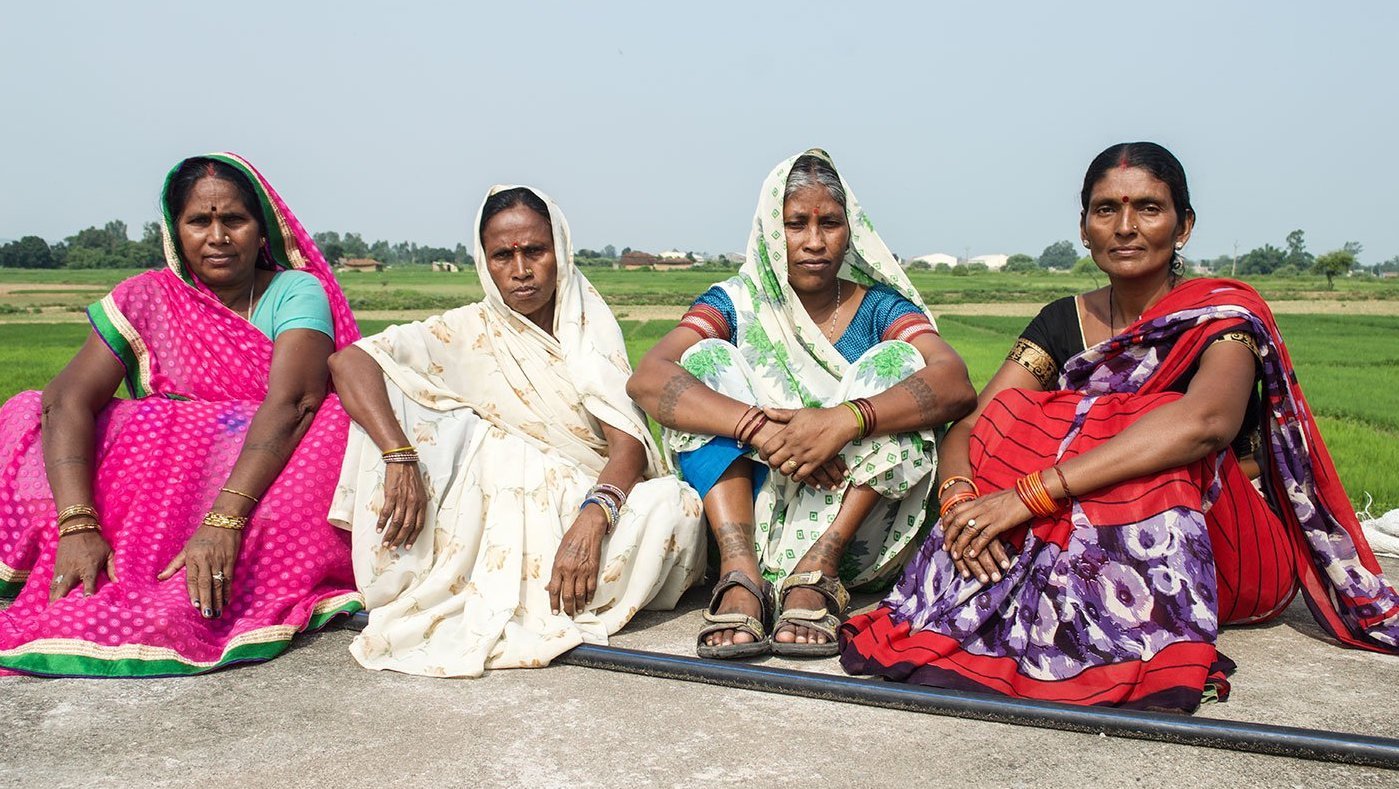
(960, 126)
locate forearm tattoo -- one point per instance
(923, 396)
(679, 384)
(735, 539)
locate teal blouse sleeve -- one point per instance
(294, 300)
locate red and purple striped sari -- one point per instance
(1118, 599)
(196, 372)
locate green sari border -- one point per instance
(60, 665)
(106, 326)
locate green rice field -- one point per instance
(1348, 364)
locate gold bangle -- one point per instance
(218, 520)
(76, 510)
(950, 481)
(408, 448)
(78, 528)
(253, 499)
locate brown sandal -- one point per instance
(824, 621)
(736, 621)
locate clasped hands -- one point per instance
(804, 443)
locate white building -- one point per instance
(993, 262)
(672, 254)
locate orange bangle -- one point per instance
(953, 501)
(1032, 493)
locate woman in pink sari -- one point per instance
(183, 529)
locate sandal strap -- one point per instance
(829, 586)
(822, 621)
(738, 578)
(732, 621)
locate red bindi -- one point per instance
(1126, 199)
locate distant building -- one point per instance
(672, 254)
(634, 260)
(360, 264)
(993, 262)
(444, 265)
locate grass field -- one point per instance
(1349, 367)
(27, 292)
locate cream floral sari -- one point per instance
(508, 423)
(781, 358)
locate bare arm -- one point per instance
(296, 389)
(70, 405)
(931, 397)
(1202, 421)
(360, 383)
(578, 560)
(676, 399)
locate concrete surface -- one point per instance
(314, 718)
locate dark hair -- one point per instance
(809, 170)
(509, 198)
(1149, 156)
(195, 169)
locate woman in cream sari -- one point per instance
(501, 433)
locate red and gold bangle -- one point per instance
(950, 481)
(1030, 488)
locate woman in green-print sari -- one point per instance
(800, 398)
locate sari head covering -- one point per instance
(559, 405)
(507, 421)
(197, 373)
(784, 320)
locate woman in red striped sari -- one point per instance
(1101, 510)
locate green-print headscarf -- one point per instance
(780, 315)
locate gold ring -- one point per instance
(789, 465)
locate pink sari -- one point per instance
(196, 372)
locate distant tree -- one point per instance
(1354, 248)
(1020, 263)
(625, 250)
(354, 246)
(942, 268)
(1060, 255)
(609, 251)
(1262, 260)
(976, 267)
(1333, 263)
(1286, 271)
(1297, 255)
(690, 256)
(28, 252)
(1389, 265)
(1084, 266)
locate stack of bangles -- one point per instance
(1035, 496)
(610, 499)
(864, 415)
(749, 424)
(77, 511)
(947, 504)
(408, 454)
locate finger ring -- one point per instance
(57, 579)
(971, 524)
(220, 577)
(789, 465)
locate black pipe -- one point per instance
(1317, 744)
(1263, 738)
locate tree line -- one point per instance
(110, 246)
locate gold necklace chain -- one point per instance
(831, 326)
